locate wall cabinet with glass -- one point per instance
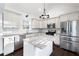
(42, 23)
(35, 23)
(39, 23)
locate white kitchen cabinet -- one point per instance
(35, 24)
(63, 18)
(12, 20)
(70, 17)
(56, 39)
(73, 16)
(8, 45)
(39, 24)
(40, 45)
(43, 24)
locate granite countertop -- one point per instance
(39, 40)
(9, 33)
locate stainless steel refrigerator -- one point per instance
(69, 37)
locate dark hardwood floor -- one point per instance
(18, 52)
(57, 51)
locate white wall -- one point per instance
(1, 10)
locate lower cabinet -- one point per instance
(8, 45)
(11, 43)
(56, 39)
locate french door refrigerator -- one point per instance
(69, 38)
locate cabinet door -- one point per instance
(42, 24)
(12, 20)
(45, 24)
(57, 39)
(73, 16)
(8, 45)
(35, 24)
(63, 18)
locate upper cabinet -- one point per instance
(42, 23)
(35, 23)
(73, 16)
(63, 18)
(50, 21)
(11, 19)
(70, 16)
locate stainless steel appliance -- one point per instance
(69, 38)
(51, 29)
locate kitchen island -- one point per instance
(38, 44)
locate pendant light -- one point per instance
(44, 15)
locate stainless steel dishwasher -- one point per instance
(18, 41)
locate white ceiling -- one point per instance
(36, 9)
